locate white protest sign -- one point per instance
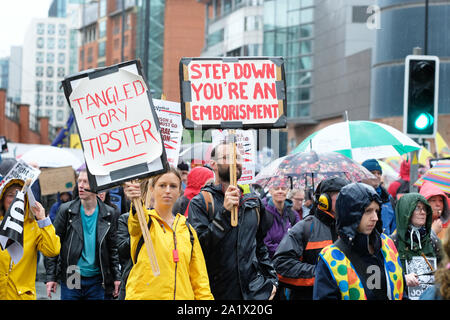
(169, 115)
(115, 122)
(20, 171)
(419, 266)
(247, 91)
(245, 143)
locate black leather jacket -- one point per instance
(237, 258)
(69, 228)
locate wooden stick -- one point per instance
(428, 263)
(26, 184)
(137, 203)
(234, 211)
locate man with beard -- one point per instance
(237, 259)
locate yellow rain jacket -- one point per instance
(186, 279)
(18, 281)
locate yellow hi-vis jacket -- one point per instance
(18, 281)
(185, 279)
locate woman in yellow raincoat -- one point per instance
(18, 281)
(183, 273)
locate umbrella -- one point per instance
(303, 169)
(439, 175)
(51, 157)
(268, 171)
(359, 140)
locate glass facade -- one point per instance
(288, 32)
(150, 41)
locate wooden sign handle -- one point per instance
(137, 203)
(234, 211)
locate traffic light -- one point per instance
(420, 109)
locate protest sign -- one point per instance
(54, 180)
(421, 268)
(169, 115)
(20, 171)
(119, 129)
(233, 92)
(245, 143)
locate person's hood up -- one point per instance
(328, 185)
(429, 190)
(196, 179)
(403, 212)
(350, 205)
(405, 167)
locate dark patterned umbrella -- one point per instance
(303, 169)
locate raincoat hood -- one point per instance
(196, 179)
(429, 190)
(405, 167)
(404, 210)
(350, 205)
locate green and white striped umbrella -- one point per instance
(359, 140)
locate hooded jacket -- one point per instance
(401, 185)
(350, 206)
(18, 281)
(237, 258)
(429, 190)
(428, 244)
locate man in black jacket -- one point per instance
(296, 257)
(88, 263)
(237, 259)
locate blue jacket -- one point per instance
(387, 211)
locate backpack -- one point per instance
(141, 239)
(209, 201)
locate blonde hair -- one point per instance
(442, 276)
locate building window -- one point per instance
(102, 29)
(50, 57)
(50, 29)
(62, 29)
(40, 43)
(59, 115)
(38, 100)
(50, 43)
(90, 56)
(116, 44)
(102, 9)
(116, 25)
(40, 28)
(50, 72)
(61, 58)
(101, 49)
(359, 14)
(49, 100)
(39, 57)
(39, 71)
(61, 43)
(61, 72)
(252, 23)
(49, 86)
(60, 100)
(215, 38)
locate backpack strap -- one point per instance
(209, 204)
(191, 236)
(141, 241)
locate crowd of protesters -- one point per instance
(290, 244)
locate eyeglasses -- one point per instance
(420, 209)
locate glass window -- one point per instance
(49, 112)
(50, 43)
(40, 43)
(60, 100)
(61, 43)
(39, 71)
(40, 28)
(102, 8)
(50, 57)
(50, 72)
(49, 85)
(49, 100)
(215, 37)
(51, 29)
(226, 6)
(305, 47)
(38, 100)
(39, 85)
(39, 57)
(62, 29)
(61, 58)
(101, 49)
(102, 29)
(306, 3)
(61, 72)
(59, 115)
(307, 15)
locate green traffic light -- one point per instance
(423, 121)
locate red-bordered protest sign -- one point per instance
(118, 126)
(233, 92)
